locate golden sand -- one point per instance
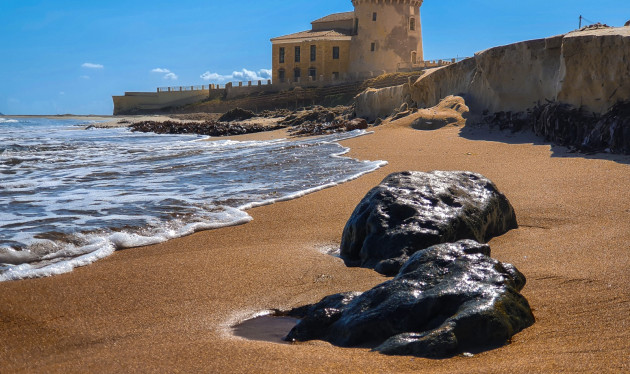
(168, 307)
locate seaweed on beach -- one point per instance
(209, 128)
(573, 127)
(326, 128)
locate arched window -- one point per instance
(412, 23)
(414, 57)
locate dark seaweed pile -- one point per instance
(569, 126)
(209, 128)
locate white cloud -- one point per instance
(86, 77)
(89, 65)
(238, 76)
(61, 93)
(160, 70)
(171, 76)
(168, 75)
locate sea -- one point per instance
(71, 193)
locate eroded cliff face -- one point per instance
(583, 68)
(595, 68)
(589, 68)
(380, 103)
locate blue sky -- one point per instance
(71, 56)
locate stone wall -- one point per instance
(154, 101)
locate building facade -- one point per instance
(378, 36)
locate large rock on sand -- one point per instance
(410, 211)
(446, 299)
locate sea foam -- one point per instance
(77, 196)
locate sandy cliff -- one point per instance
(582, 68)
(380, 103)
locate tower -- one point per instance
(388, 35)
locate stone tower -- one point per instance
(388, 35)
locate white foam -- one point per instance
(73, 184)
(5, 120)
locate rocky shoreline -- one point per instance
(314, 120)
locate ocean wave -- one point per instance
(6, 120)
(103, 191)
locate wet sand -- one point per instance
(169, 307)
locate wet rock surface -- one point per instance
(340, 125)
(410, 211)
(446, 299)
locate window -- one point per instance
(374, 16)
(313, 52)
(281, 75)
(335, 75)
(356, 26)
(296, 74)
(373, 47)
(312, 72)
(335, 53)
(281, 53)
(297, 54)
(414, 57)
(412, 24)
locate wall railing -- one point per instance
(183, 88)
(428, 63)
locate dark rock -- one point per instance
(320, 121)
(237, 114)
(316, 115)
(627, 23)
(356, 124)
(446, 299)
(410, 211)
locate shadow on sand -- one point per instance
(487, 133)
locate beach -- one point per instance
(170, 307)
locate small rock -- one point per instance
(356, 124)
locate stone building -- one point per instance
(378, 36)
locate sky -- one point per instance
(72, 56)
